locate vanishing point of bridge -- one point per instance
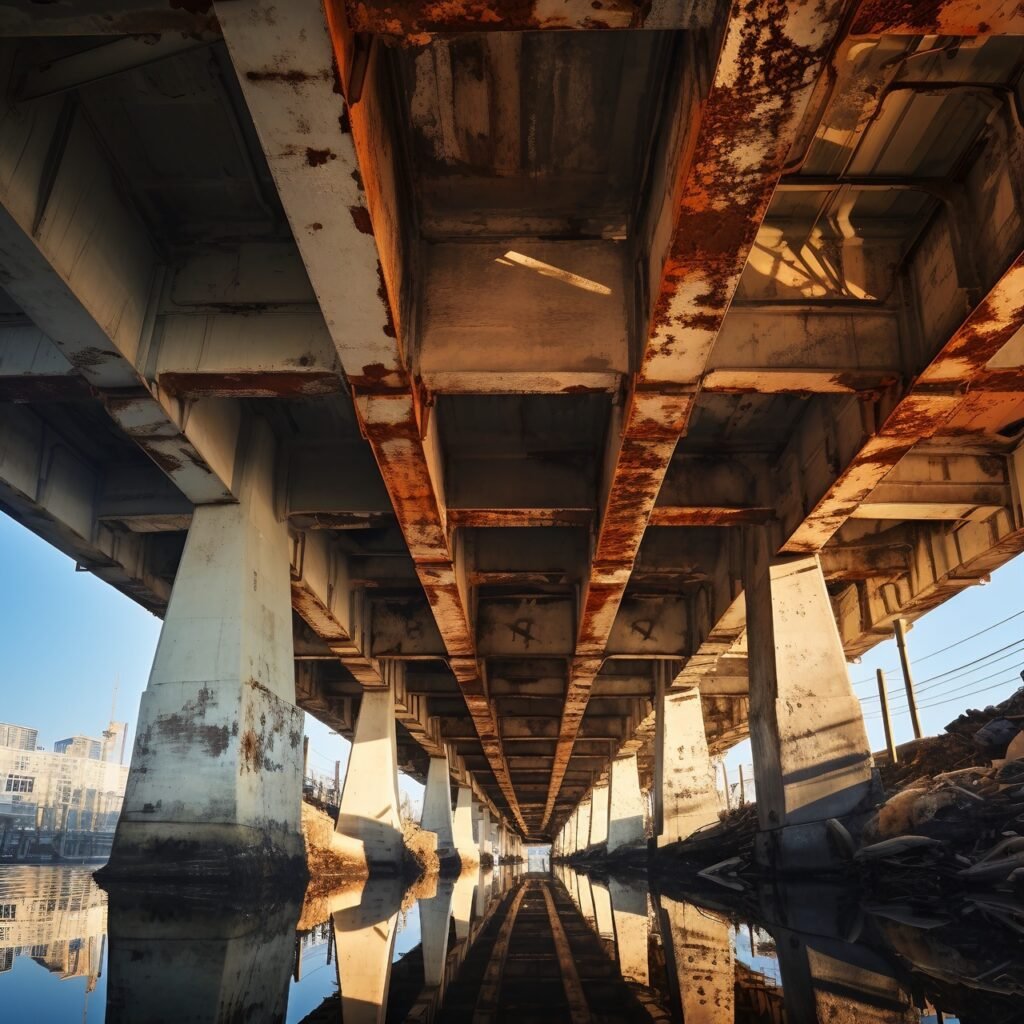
(545, 395)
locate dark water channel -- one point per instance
(503, 945)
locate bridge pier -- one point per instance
(437, 811)
(483, 823)
(462, 823)
(583, 825)
(811, 756)
(435, 918)
(599, 801)
(629, 912)
(686, 797)
(215, 785)
(625, 805)
(369, 830)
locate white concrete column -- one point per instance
(484, 830)
(812, 760)
(437, 807)
(496, 842)
(365, 924)
(369, 830)
(583, 826)
(626, 805)
(685, 791)
(700, 955)
(484, 890)
(629, 911)
(216, 772)
(598, 816)
(587, 901)
(571, 833)
(465, 841)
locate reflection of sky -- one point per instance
(408, 932)
(29, 992)
(763, 963)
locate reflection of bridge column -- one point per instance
(369, 829)
(832, 980)
(599, 817)
(811, 755)
(684, 789)
(484, 888)
(216, 774)
(583, 826)
(365, 923)
(465, 840)
(626, 804)
(586, 900)
(570, 834)
(197, 961)
(462, 902)
(437, 808)
(629, 912)
(603, 910)
(700, 958)
(435, 916)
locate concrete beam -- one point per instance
(56, 493)
(699, 245)
(58, 197)
(338, 187)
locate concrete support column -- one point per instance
(369, 830)
(571, 836)
(583, 826)
(462, 902)
(811, 755)
(465, 841)
(598, 817)
(496, 842)
(686, 797)
(626, 805)
(437, 808)
(216, 773)
(483, 822)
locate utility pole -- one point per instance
(728, 796)
(337, 783)
(743, 789)
(883, 698)
(908, 679)
(305, 758)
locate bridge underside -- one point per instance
(538, 347)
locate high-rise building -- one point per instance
(18, 736)
(80, 746)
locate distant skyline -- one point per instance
(66, 637)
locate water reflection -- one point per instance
(500, 945)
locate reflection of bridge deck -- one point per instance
(511, 383)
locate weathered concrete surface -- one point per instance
(463, 828)
(369, 831)
(437, 809)
(220, 701)
(811, 755)
(627, 807)
(686, 797)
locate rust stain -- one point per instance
(260, 384)
(361, 219)
(937, 17)
(319, 157)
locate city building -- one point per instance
(62, 804)
(18, 736)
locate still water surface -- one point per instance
(502, 945)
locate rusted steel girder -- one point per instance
(931, 400)
(771, 57)
(294, 64)
(938, 17)
(412, 20)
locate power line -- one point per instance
(968, 664)
(948, 647)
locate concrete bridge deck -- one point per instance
(550, 394)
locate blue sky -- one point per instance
(65, 637)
